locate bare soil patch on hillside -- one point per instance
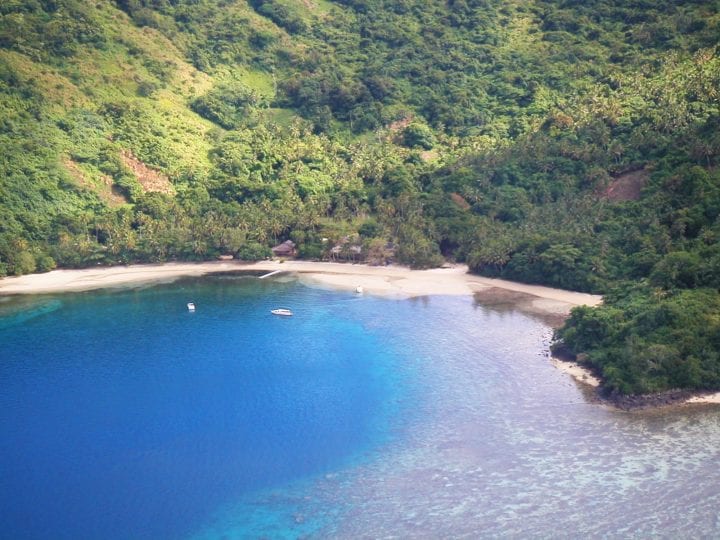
(628, 186)
(104, 188)
(150, 179)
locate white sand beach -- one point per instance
(708, 398)
(390, 281)
(576, 371)
(394, 281)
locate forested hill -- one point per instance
(574, 144)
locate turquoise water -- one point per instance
(124, 416)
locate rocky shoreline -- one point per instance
(587, 376)
(668, 398)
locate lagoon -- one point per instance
(122, 415)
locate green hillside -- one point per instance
(573, 144)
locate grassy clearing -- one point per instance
(280, 117)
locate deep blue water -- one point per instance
(124, 416)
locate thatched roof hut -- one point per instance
(285, 249)
(347, 248)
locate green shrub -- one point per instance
(45, 263)
(417, 135)
(253, 251)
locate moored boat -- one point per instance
(281, 311)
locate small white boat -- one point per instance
(281, 311)
(191, 306)
(359, 289)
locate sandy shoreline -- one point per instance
(576, 371)
(393, 281)
(586, 377)
(389, 281)
(707, 398)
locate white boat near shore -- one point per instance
(191, 306)
(282, 312)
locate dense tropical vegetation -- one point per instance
(573, 144)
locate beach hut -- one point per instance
(285, 249)
(348, 249)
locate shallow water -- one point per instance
(124, 416)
